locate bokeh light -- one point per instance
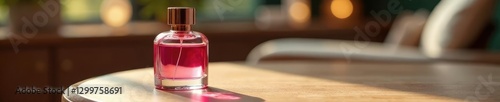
(299, 12)
(341, 8)
(116, 13)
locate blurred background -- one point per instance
(61, 42)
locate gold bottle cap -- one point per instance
(181, 16)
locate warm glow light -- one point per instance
(341, 8)
(299, 12)
(116, 13)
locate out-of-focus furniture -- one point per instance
(452, 25)
(407, 29)
(313, 81)
(322, 49)
(26, 69)
(455, 24)
(296, 48)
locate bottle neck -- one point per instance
(182, 28)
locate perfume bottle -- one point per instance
(181, 55)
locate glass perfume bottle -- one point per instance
(181, 55)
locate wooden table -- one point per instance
(315, 81)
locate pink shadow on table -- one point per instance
(212, 94)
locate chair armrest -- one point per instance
(299, 48)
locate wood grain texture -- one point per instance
(316, 81)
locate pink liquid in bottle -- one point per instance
(191, 64)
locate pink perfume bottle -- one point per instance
(181, 55)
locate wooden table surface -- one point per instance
(314, 81)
